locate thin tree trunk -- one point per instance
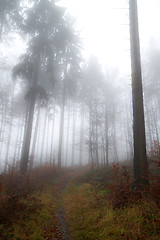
(67, 140)
(16, 142)
(20, 138)
(73, 135)
(106, 137)
(61, 128)
(3, 127)
(10, 130)
(52, 137)
(35, 138)
(47, 142)
(97, 138)
(43, 137)
(81, 135)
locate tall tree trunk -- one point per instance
(73, 135)
(114, 135)
(35, 138)
(16, 142)
(106, 136)
(47, 142)
(67, 140)
(81, 135)
(29, 123)
(140, 158)
(3, 127)
(148, 120)
(61, 128)
(43, 137)
(52, 137)
(91, 161)
(10, 130)
(22, 129)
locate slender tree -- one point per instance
(49, 35)
(140, 158)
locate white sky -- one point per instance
(104, 27)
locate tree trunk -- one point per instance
(52, 137)
(73, 134)
(16, 142)
(61, 129)
(35, 138)
(29, 123)
(67, 140)
(20, 139)
(140, 158)
(43, 137)
(10, 131)
(81, 135)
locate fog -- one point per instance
(66, 88)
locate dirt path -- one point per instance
(61, 216)
(65, 235)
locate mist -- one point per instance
(79, 119)
(81, 109)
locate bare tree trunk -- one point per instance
(73, 135)
(16, 142)
(10, 130)
(38, 145)
(140, 158)
(81, 135)
(3, 127)
(29, 123)
(106, 136)
(91, 161)
(150, 139)
(43, 137)
(67, 140)
(47, 142)
(61, 130)
(52, 137)
(154, 121)
(35, 138)
(20, 138)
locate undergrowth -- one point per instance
(27, 205)
(103, 204)
(90, 216)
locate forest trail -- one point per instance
(61, 215)
(65, 235)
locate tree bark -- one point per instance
(35, 138)
(43, 137)
(140, 158)
(61, 130)
(29, 123)
(81, 135)
(67, 140)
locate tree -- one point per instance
(140, 158)
(48, 32)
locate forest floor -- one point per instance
(78, 205)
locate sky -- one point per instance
(104, 26)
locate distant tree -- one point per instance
(91, 93)
(70, 76)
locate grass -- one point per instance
(99, 204)
(36, 221)
(90, 216)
